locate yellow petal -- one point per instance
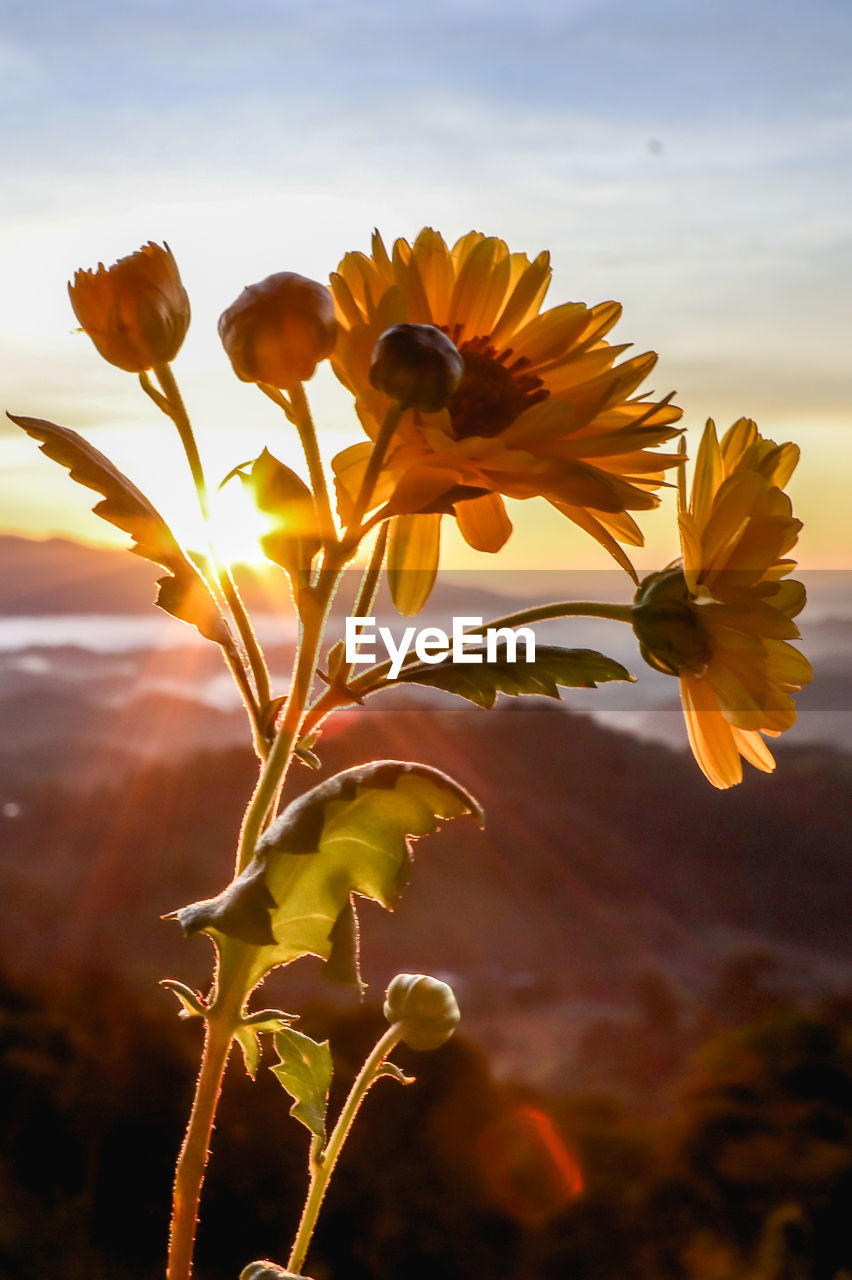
(586, 521)
(752, 748)
(524, 300)
(708, 475)
(710, 736)
(483, 522)
(431, 257)
(413, 553)
(470, 281)
(419, 488)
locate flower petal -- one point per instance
(710, 736)
(483, 522)
(413, 553)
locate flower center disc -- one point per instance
(493, 392)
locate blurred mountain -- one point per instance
(606, 859)
(56, 576)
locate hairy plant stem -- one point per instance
(381, 443)
(176, 410)
(322, 1163)
(221, 1024)
(226, 1008)
(314, 606)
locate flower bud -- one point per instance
(668, 625)
(266, 1270)
(277, 331)
(137, 311)
(425, 1008)
(417, 365)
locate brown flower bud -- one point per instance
(278, 330)
(137, 311)
(417, 365)
(424, 1007)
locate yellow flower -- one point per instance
(722, 623)
(542, 411)
(136, 312)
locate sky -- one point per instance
(692, 161)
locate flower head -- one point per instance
(278, 330)
(136, 311)
(541, 409)
(722, 623)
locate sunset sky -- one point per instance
(693, 161)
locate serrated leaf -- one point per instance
(349, 835)
(553, 666)
(247, 1034)
(305, 1072)
(249, 1041)
(392, 1070)
(192, 1005)
(183, 593)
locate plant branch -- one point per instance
(221, 1024)
(364, 499)
(322, 1165)
(176, 410)
(373, 680)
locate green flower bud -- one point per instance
(417, 365)
(668, 625)
(277, 331)
(268, 1271)
(425, 1008)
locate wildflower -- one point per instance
(137, 311)
(722, 622)
(277, 331)
(540, 410)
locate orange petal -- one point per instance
(752, 748)
(413, 553)
(483, 522)
(710, 736)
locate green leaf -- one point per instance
(249, 1041)
(192, 1003)
(305, 1072)
(553, 666)
(350, 835)
(392, 1070)
(248, 1033)
(183, 592)
(280, 493)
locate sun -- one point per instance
(237, 526)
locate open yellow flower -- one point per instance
(722, 623)
(542, 410)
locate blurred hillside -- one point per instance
(655, 979)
